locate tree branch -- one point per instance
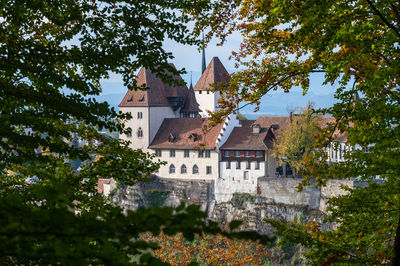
(390, 25)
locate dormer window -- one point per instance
(141, 98)
(171, 137)
(194, 137)
(256, 129)
(130, 99)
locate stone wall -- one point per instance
(233, 180)
(165, 192)
(284, 190)
(275, 198)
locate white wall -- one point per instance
(156, 117)
(232, 180)
(207, 101)
(231, 122)
(192, 160)
(135, 123)
(150, 123)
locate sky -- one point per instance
(189, 57)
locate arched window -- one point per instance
(140, 132)
(183, 169)
(172, 169)
(195, 169)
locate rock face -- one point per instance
(275, 198)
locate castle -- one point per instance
(171, 122)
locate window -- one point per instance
(238, 165)
(247, 165)
(140, 132)
(199, 92)
(158, 153)
(258, 154)
(208, 92)
(171, 153)
(289, 170)
(237, 153)
(208, 153)
(139, 115)
(186, 153)
(257, 165)
(208, 170)
(201, 153)
(228, 165)
(340, 151)
(183, 169)
(156, 171)
(247, 154)
(246, 175)
(195, 169)
(226, 154)
(129, 134)
(172, 169)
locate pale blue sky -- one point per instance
(189, 57)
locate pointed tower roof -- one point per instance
(203, 59)
(214, 73)
(191, 105)
(157, 93)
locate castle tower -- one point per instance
(149, 108)
(214, 73)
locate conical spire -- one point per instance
(203, 62)
(191, 84)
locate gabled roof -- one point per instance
(243, 138)
(157, 93)
(214, 74)
(186, 133)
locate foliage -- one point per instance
(156, 198)
(208, 250)
(241, 116)
(355, 44)
(53, 55)
(239, 199)
(297, 140)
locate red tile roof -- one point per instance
(186, 133)
(158, 92)
(214, 74)
(243, 138)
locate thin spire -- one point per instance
(191, 84)
(203, 62)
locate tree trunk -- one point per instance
(396, 252)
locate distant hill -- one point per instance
(271, 104)
(113, 99)
(283, 103)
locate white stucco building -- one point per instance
(170, 121)
(215, 73)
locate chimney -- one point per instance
(256, 129)
(291, 117)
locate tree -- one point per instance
(297, 140)
(53, 55)
(356, 45)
